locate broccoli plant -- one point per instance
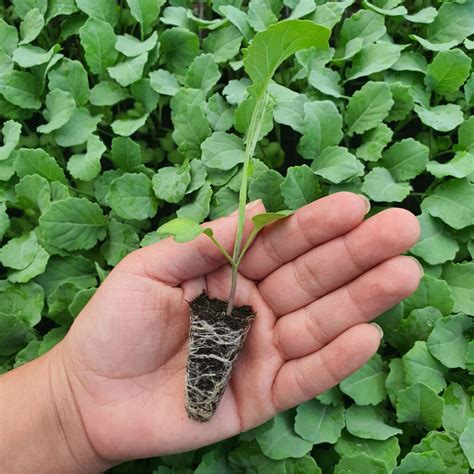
(211, 333)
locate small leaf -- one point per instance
(60, 108)
(380, 186)
(183, 230)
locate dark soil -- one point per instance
(215, 341)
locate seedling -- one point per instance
(219, 329)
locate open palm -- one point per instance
(314, 280)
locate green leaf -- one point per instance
(385, 451)
(178, 48)
(447, 341)
(453, 202)
(448, 71)
(107, 93)
(11, 136)
(366, 386)
(360, 463)
(322, 127)
(78, 129)
(121, 240)
(373, 142)
(429, 461)
(33, 191)
(406, 159)
(52, 338)
(368, 107)
(29, 161)
(98, 40)
(28, 56)
(145, 12)
(18, 253)
(223, 43)
(260, 15)
(374, 58)
(191, 130)
(128, 126)
(424, 16)
(223, 203)
(380, 186)
(198, 209)
(300, 187)
(419, 404)
(128, 71)
(435, 244)
(461, 166)
(70, 77)
(278, 440)
(420, 366)
(448, 447)
(31, 26)
(73, 224)
(60, 108)
(467, 443)
(454, 22)
(319, 423)
(326, 81)
(336, 164)
(395, 380)
(203, 73)
(364, 24)
(222, 151)
(86, 166)
(35, 268)
(442, 118)
(8, 37)
(103, 10)
(126, 154)
(460, 278)
(267, 187)
(183, 230)
(130, 46)
(170, 183)
(262, 220)
(278, 43)
(21, 89)
(457, 409)
(4, 220)
(431, 292)
(164, 82)
(239, 19)
(219, 114)
(131, 196)
(14, 334)
(368, 422)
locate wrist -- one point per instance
(41, 429)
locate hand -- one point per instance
(315, 280)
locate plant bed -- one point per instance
(215, 341)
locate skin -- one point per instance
(113, 389)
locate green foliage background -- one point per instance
(118, 116)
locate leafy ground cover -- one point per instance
(118, 117)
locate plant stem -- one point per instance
(252, 139)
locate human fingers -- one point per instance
(172, 263)
(334, 263)
(300, 379)
(310, 328)
(310, 226)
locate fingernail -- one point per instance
(379, 329)
(420, 266)
(367, 203)
(253, 204)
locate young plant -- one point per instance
(211, 334)
(265, 54)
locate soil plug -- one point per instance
(215, 341)
(218, 329)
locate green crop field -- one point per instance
(117, 116)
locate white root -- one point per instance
(208, 372)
